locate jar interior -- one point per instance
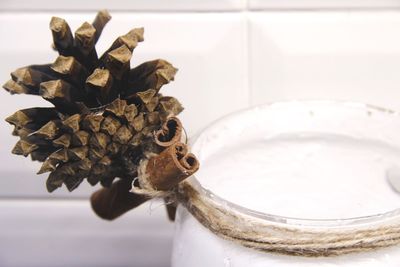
(310, 160)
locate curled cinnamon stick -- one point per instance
(170, 167)
(170, 132)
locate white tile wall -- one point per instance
(254, 52)
(325, 55)
(65, 233)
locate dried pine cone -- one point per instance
(104, 113)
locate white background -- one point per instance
(231, 54)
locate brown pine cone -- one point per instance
(105, 113)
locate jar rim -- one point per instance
(295, 221)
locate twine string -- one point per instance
(268, 236)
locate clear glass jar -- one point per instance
(316, 164)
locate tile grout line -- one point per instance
(40, 199)
(124, 11)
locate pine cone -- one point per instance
(104, 115)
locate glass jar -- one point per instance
(311, 165)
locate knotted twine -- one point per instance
(249, 230)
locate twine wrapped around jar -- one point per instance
(250, 230)
(228, 221)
